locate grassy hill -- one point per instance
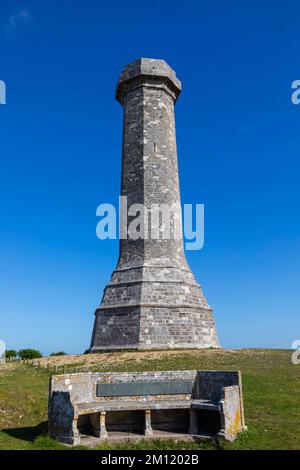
(271, 385)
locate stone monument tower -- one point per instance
(152, 299)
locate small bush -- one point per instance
(59, 353)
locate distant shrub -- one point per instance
(59, 353)
(9, 353)
(29, 354)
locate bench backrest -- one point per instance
(88, 387)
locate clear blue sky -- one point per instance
(238, 144)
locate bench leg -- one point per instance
(148, 427)
(193, 429)
(76, 435)
(102, 432)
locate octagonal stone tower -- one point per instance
(152, 299)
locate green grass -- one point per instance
(271, 385)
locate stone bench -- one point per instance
(197, 403)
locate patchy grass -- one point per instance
(271, 386)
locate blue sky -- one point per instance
(238, 146)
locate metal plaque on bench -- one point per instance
(173, 387)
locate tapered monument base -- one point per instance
(151, 327)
